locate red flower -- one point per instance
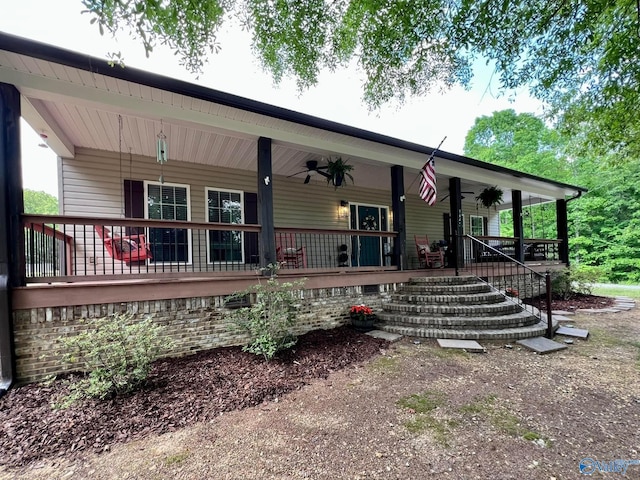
(361, 309)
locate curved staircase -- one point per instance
(457, 307)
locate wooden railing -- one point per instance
(171, 248)
(49, 252)
(100, 249)
(330, 249)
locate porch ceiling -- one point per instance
(78, 108)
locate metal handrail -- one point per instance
(506, 257)
(521, 269)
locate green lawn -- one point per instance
(617, 291)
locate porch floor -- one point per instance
(160, 287)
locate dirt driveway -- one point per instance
(416, 412)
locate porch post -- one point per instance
(266, 243)
(562, 225)
(455, 206)
(12, 273)
(397, 207)
(518, 225)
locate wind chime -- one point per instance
(161, 152)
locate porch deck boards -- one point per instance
(159, 287)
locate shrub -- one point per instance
(571, 281)
(269, 320)
(116, 352)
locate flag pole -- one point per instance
(433, 154)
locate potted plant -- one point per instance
(362, 318)
(490, 197)
(337, 171)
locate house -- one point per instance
(172, 195)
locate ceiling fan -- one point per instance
(461, 196)
(312, 167)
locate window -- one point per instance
(477, 226)
(168, 202)
(225, 206)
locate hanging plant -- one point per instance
(490, 197)
(338, 170)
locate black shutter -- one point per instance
(485, 221)
(251, 254)
(134, 203)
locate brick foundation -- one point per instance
(194, 324)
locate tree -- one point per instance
(519, 141)
(605, 223)
(522, 142)
(580, 57)
(39, 202)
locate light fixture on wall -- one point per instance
(44, 140)
(343, 209)
(161, 151)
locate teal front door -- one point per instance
(368, 248)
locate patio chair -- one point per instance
(131, 249)
(288, 254)
(426, 257)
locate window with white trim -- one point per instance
(477, 225)
(225, 206)
(168, 202)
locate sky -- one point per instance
(338, 96)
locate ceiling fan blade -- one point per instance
(444, 198)
(294, 174)
(306, 180)
(324, 174)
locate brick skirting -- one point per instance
(194, 324)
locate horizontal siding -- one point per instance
(92, 185)
(93, 181)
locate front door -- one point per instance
(369, 249)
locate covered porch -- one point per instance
(171, 192)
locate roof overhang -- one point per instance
(79, 102)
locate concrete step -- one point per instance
(428, 289)
(504, 334)
(462, 280)
(470, 298)
(519, 319)
(442, 310)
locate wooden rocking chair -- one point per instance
(288, 254)
(132, 249)
(426, 257)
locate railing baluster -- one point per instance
(528, 282)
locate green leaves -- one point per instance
(39, 203)
(271, 318)
(117, 351)
(582, 59)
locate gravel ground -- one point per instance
(413, 411)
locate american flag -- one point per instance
(428, 182)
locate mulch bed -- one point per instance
(180, 392)
(577, 301)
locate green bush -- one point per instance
(269, 320)
(571, 281)
(117, 352)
